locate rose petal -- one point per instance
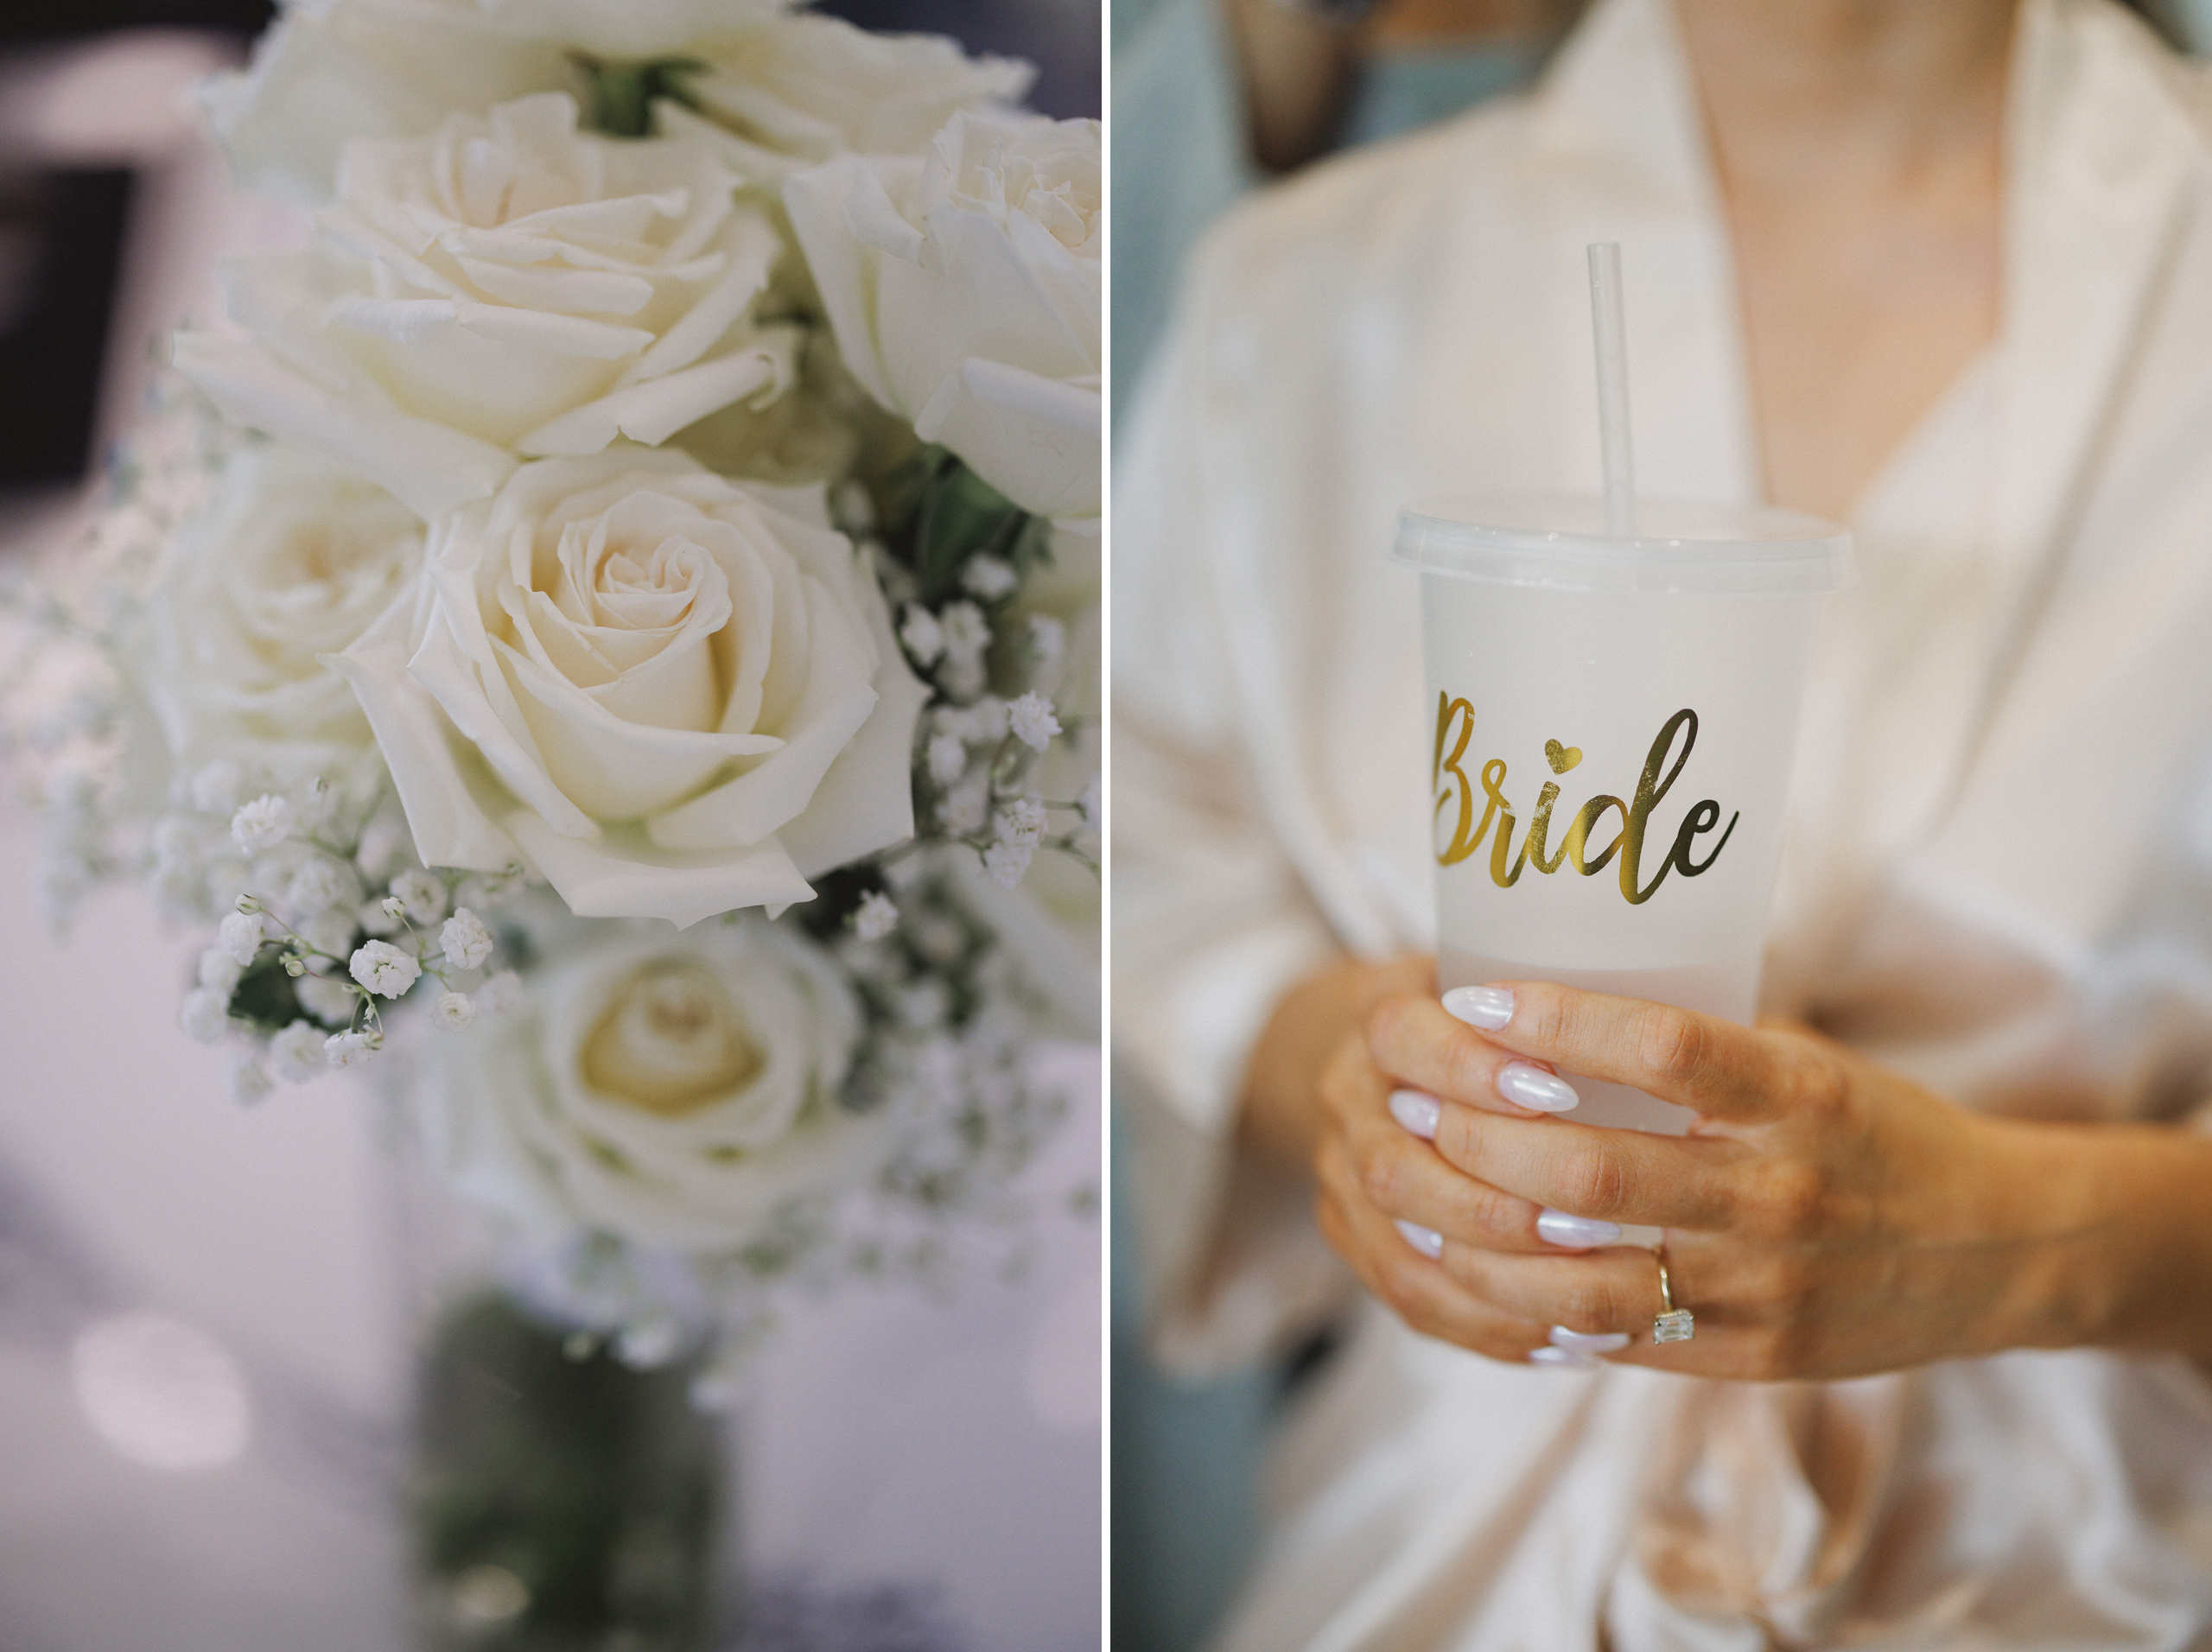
(865, 800)
(1035, 440)
(600, 291)
(455, 660)
(752, 247)
(417, 321)
(834, 705)
(757, 578)
(843, 267)
(321, 77)
(657, 409)
(769, 1005)
(432, 468)
(625, 876)
(450, 824)
(746, 160)
(774, 687)
(978, 294)
(611, 769)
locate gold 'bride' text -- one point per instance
(1455, 726)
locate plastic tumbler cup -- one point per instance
(1614, 716)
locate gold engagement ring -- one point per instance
(1674, 1324)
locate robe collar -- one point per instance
(2102, 139)
(2104, 147)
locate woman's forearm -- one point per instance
(2127, 1261)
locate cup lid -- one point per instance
(1560, 542)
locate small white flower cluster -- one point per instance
(68, 716)
(955, 1021)
(328, 914)
(979, 763)
(949, 645)
(985, 751)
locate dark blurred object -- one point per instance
(1061, 37)
(60, 250)
(564, 1502)
(793, 1616)
(22, 22)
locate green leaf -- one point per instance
(264, 995)
(899, 493)
(619, 94)
(962, 516)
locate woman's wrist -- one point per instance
(2121, 1221)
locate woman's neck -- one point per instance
(1805, 91)
(1858, 147)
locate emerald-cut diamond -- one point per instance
(1676, 1325)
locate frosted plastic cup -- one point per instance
(1613, 721)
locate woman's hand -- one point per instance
(1824, 1218)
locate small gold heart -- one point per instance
(1561, 758)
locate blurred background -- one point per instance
(1213, 99)
(205, 1363)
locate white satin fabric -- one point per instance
(1999, 876)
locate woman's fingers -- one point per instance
(1557, 1309)
(1620, 1176)
(1719, 1068)
(1412, 1284)
(1593, 1301)
(1402, 1175)
(1598, 1293)
(1411, 1037)
(1388, 1133)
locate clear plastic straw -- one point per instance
(1610, 326)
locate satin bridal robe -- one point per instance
(1998, 878)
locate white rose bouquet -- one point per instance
(604, 634)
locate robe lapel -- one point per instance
(2091, 691)
(2101, 153)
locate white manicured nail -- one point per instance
(1531, 1086)
(1487, 1007)
(1416, 1111)
(1576, 1232)
(1583, 1341)
(1562, 1358)
(1427, 1240)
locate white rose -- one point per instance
(673, 1094)
(782, 87)
(503, 285)
(671, 699)
(292, 560)
(803, 89)
(964, 293)
(634, 28)
(326, 74)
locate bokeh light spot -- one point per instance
(163, 1393)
